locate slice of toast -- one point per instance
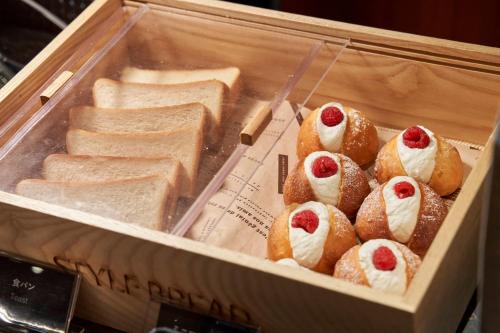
(139, 201)
(78, 168)
(164, 119)
(113, 94)
(229, 75)
(183, 145)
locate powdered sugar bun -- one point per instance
(419, 221)
(346, 189)
(317, 248)
(418, 163)
(354, 135)
(380, 264)
(438, 164)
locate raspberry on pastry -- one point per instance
(330, 178)
(312, 234)
(338, 129)
(419, 153)
(379, 264)
(402, 210)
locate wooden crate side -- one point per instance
(428, 46)
(398, 93)
(224, 283)
(448, 276)
(393, 92)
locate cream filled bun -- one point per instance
(338, 129)
(402, 210)
(330, 178)
(419, 153)
(313, 234)
(379, 264)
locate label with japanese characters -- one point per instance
(36, 297)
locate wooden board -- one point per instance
(394, 92)
(163, 267)
(366, 36)
(449, 272)
(390, 89)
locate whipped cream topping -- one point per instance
(389, 281)
(418, 163)
(402, 214)
(327, 189)
(307, 248)
(331, 137)
(290, 263)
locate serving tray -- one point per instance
(397, 79)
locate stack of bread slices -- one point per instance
(137, 150)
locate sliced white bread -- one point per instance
(229, 75)
(183, 145)
(78, 168)
(113, 94)
(139, 201)
(162, 119)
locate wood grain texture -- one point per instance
(163, 267)
(448, 275)
(393, 91)
(357, 33)
(398, 93)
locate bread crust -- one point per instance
(341, 237)
(216, 130)
(371, 221)
(354, 187)
(297, 188)
(447, 174)
(74, 136)
(432, 213)
(278, 243)
(360, 141)
(449, 170)
(349, 269)
(388, 164)
(159, 222)
(308, 138)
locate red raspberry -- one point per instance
(331, 116)
(415, 137)
(306, 220)
(383, 259)
(404, 189)
(324, 166)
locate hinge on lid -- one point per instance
(256, 126)
(55, 86)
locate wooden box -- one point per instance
(397, 79)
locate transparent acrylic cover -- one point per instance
(147, 129)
